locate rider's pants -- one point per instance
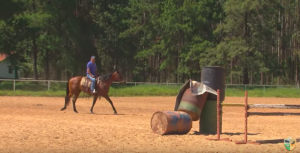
(93, 82)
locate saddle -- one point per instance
(86, 83)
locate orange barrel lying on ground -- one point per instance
(192, 104)
(171, 122)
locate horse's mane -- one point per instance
(107, 77)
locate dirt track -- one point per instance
(31, 124)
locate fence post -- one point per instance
(264, 89)
(14, 85)
(245, 87)
(48, 85)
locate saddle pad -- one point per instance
(82, 83)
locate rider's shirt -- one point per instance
(92, 66)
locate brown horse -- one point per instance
(74, 87)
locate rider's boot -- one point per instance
(94, 91)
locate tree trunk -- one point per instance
(261, 78)
(231, 66)
(58, 73)
(245, 69)
(165, 75)
(34, 50)
(35, 71)
(279, 44)
(272, 78)
(144, 72)
(296, 69)
(47, 65)
(158, 69)
(245, 76)
(251, 77)
(176, 68)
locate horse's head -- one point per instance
(117, 77)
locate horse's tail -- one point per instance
(67, 90)
(67, 101)
(67, 98)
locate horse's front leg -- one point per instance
(94, 102)
(111, 103)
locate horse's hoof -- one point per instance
(62, 109)
(115, 113)
(75, 111)
(92, 112)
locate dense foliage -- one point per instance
(157, 41)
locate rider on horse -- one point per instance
(91, 73)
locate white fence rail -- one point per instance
(9, 84)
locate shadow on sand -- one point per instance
(273, 141)
(103, 114)
(226, 133)
(267, 141)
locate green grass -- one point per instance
(279, 93)
(140, 90)
(35, 89)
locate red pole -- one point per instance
(218, 120)
(246, 114)
(246, 124)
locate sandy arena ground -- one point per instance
(34, 124)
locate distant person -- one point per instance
(91, 73)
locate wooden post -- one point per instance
(48, 85)
(14, 87)
(219, 110)
(246, 124)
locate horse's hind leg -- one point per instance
(74, 101)
(67, 101)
